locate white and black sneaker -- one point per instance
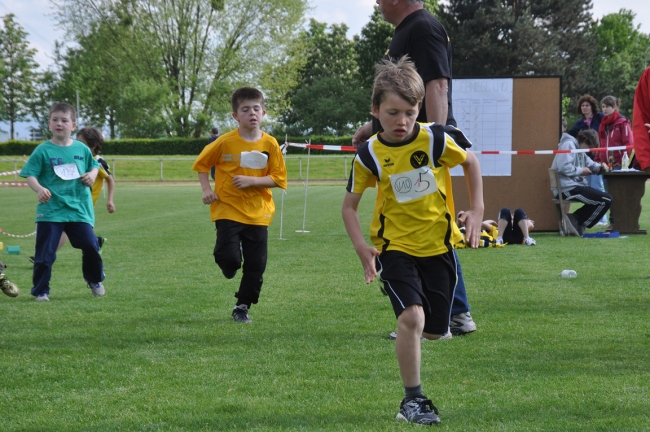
(240, 314)
(419, 410)
(461, 324)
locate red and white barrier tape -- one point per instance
(16, 235)
(9, 173)
(13, 184)
(485, 152)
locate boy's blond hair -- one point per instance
(398, 77)
(245, 93)
(64, 108)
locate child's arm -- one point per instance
(111, 189)
(366, 252)
(473, 216)
(89, 178)
(209, 196)
(243, 182)
(44, 194)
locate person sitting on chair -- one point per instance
(572, 169)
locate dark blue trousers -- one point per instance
(81, 236)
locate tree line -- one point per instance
(154, 68)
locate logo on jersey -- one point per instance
(388, 163)
(419, 159)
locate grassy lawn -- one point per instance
(179, 168)
(161, 353)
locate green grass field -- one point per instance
(179, 168)
(160, 351)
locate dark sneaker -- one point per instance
(240, 314)
(418, 411)
(461, 324)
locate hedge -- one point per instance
(170, 146)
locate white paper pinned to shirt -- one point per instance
(253, 159)
(67, 171)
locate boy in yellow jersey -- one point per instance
(412, 230)
(248, 163)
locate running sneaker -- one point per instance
(462, 323)
(529, 241)
(240, 314)
(499, 241)
(42, 297)
(97, 289)
(419, 410)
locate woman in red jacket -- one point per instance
(614, 131)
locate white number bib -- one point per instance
(67, 171)
(253, 159)
(413, 184)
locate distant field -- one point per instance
(179, 168)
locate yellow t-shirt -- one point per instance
(99, 180)
(253, 206)
(411, 213)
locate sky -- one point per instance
(35, 16)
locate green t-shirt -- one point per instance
(71, 200)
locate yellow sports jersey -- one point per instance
(411, 213)
(233, 156)
(99, 180)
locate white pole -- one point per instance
(304, 214)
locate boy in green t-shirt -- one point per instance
(61, 171)
(412, 230)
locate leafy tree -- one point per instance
(329, 98)
(620, 56)
(17, 73)
(522, 37)
(198, 50)
(370, 47)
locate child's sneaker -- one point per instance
(529, 241)
(499, 241)
(240, 314)
(42, 297)
(97, 289)
(419, 410)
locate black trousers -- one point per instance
(596, 204)
(237, 241)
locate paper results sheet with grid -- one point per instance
(483, 111)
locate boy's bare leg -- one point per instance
(410, 324)
(523, 226)
(501, 226)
